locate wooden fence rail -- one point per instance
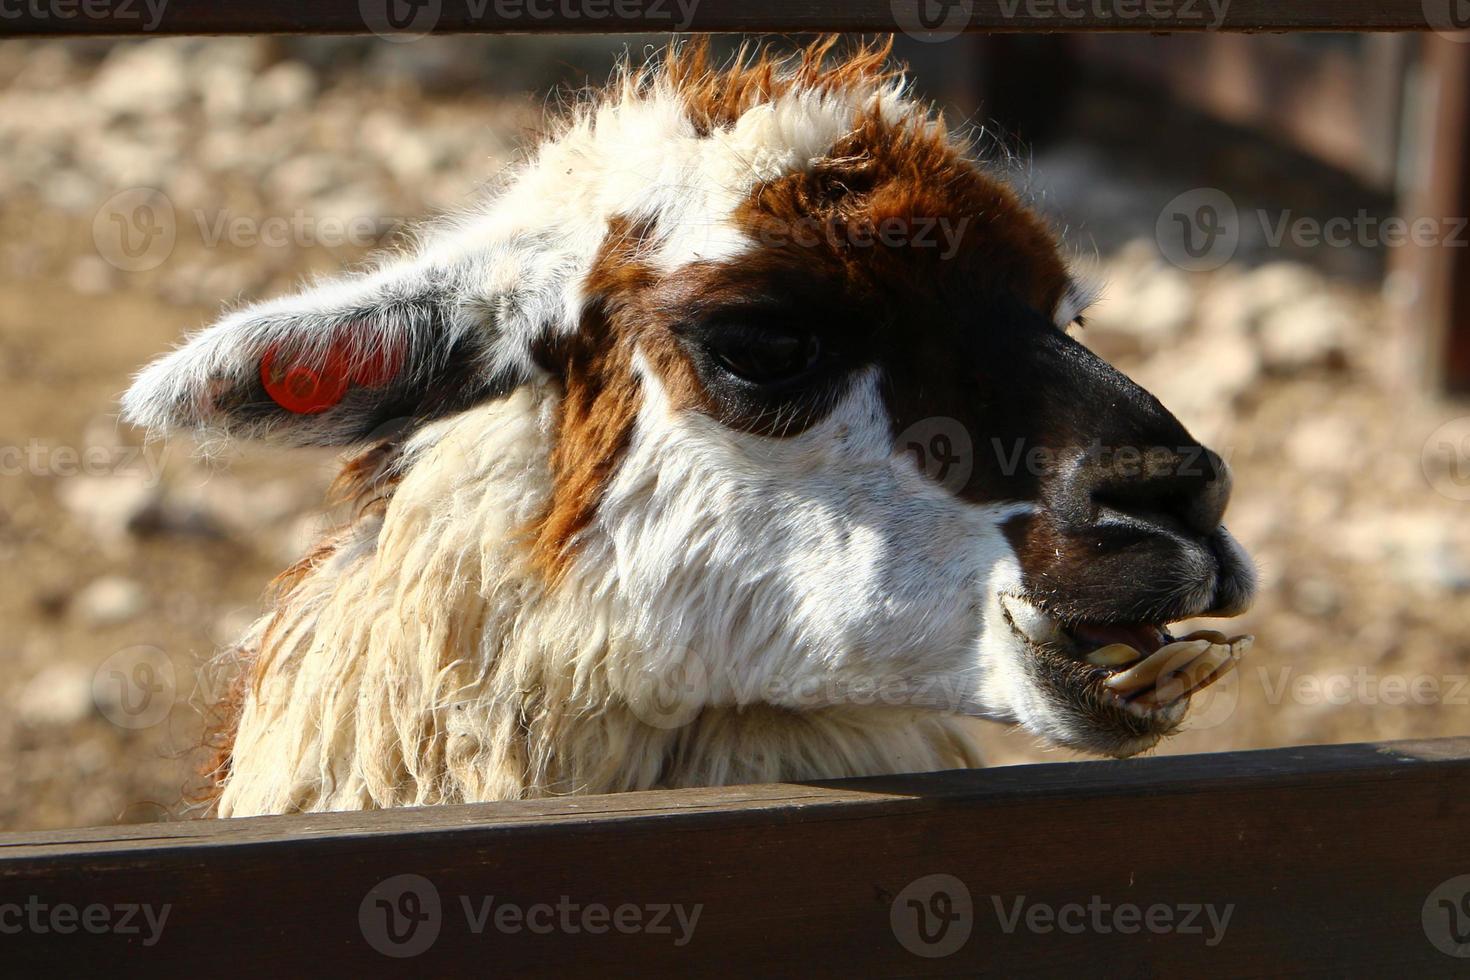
(145, 17)
(1330, 860)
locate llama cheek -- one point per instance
(868, 566)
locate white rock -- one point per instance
(225, 91)
(109, 601)
(224, 151)
(61, 694)
(1313, 331)
(71, 190)
(218, 505)
(351, 217)
(142, 79)
(1417, 548)
(299, 179)
(1227, 305)
(47, 120)
(1324, 444)
(1236, 302)
(1152, 304)
(1280, 284)
(247, 54)
(243, 508)
(1202, 373)
(191, 192)
(282, 87)
(109, 506)
(120, 160)
(387, 137)
(49, 67)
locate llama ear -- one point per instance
(335, 364)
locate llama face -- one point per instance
(751, 290)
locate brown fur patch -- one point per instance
(896, 180)
(600, 397)
(879, 173)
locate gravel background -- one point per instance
(125, 568)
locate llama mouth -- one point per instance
(1139, 667)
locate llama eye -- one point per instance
(767, 358)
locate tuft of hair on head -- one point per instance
(716, 96)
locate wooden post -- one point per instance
(1432, 281)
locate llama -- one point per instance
(633, 507)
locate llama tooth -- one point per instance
(1218, 638)
(1113, 655)
(1142, 675)
(1240, 644)
(1192, 676)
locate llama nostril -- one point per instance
(1185, 491)
(1206, 510)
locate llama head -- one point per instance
(820, 428)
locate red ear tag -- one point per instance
(379, 368)
(301, 388)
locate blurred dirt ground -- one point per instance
(127, 567)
